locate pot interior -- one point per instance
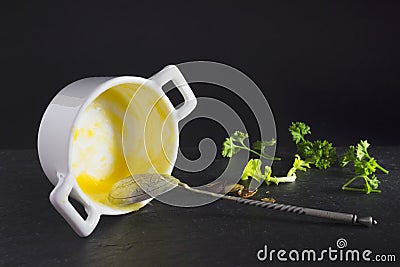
(107, 148)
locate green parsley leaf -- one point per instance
(298, 164)
(236, 142)
(298, 130)
(365, 167)
(229, 148)
(253, 169)
(321, 154)
(261, 145)
(239, 136)
(348, 156)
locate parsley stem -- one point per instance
(360, 190)
(382, 169)
(377, 165)
(286, 179)
(265, 156)
(346, 188)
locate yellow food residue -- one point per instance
(97, 152)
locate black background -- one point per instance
(333, 64)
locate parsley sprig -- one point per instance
(321, 154)
(235, 143)
(365, 167)
(253, 170)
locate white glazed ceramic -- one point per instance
(56, 137)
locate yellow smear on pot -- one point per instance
(97, 156)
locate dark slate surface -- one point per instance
(219, 234)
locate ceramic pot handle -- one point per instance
(59, 199)
(172, 73)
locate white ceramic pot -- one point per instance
(80, 142)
